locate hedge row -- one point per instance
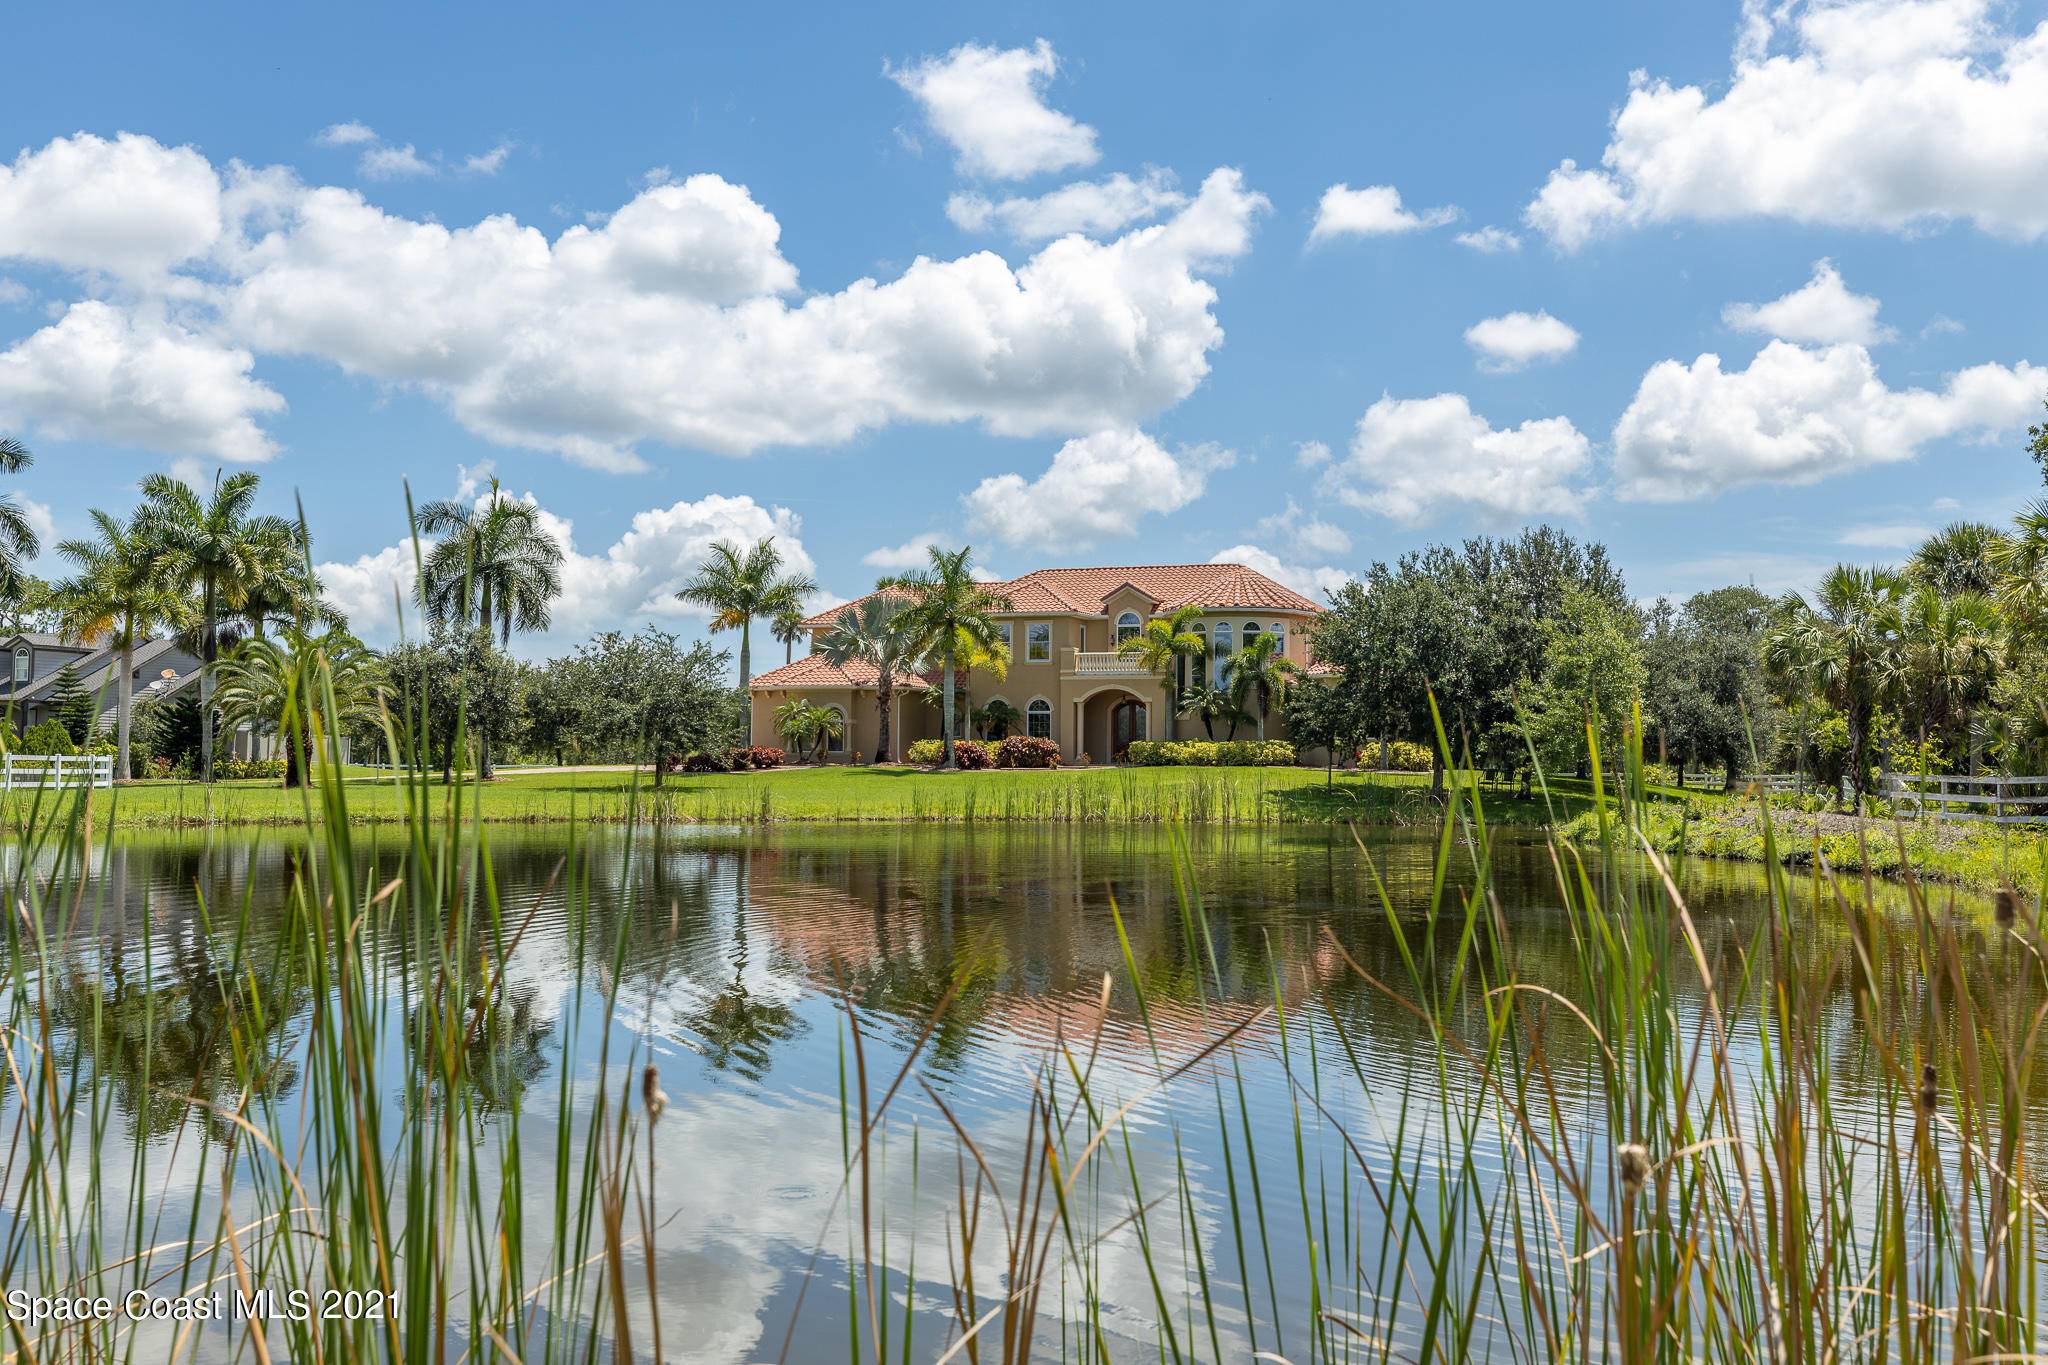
(972, 755)
(1204, 753)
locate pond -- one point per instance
(780, 980)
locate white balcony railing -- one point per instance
(1105, 664)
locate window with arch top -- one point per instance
(1126, 626)
(1038, 719)
(835, 743)
(21, 665)
(1220, 651)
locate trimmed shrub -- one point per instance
(1023, 751)
(48, 737)
(971, 755)
(759, 756)
(1205, 753)
(245, 769)
(703, 763)
(1403, 756)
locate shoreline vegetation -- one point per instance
(1692, 822)
(1596, 1172)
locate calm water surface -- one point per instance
(742, 954)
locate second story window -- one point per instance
(21, 665)
(1126, 626)
(1038, 642)
(1003, 633)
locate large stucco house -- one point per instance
(1065, 677)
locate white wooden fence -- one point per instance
(1955, 796)
(19, 771)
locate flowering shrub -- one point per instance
(1023, 751)
(759, 756)
(969, 754)
(1230, 753)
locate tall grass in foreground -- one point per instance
(1648, 1165)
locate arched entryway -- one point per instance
(1109, 718)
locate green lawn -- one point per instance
(1100, 794)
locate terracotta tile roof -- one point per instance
(1170, 586)
(815, 670)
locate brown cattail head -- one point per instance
(651, 1094)
(2006, 907)
(1930, 1093)
(1633, 1160)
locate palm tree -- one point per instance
(789, 628)
(807, 727)
(1259, 674)
(871, 631)
(949, 614)
(286, 593)
(1845, 645)
(1948, 661)
(211, 545)
(1958, 558)
(739, 585)
(18, 543)
(494, 566)
(1211, 704)
(118, 595)
(280, 687)
(1160, 645)
(2020, 561)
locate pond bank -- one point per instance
(1982, 859)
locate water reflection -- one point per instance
(735, 956)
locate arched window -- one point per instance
(21, 665)
(1280, 634)
(1251, 633)
(1220, 651)
(1038, 719)
(1126, 626)
(835, 743)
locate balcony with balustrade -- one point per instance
(1103, 663)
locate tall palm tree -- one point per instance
(949, 614)
(872, 632)
(738, 585)
(1845, 644)
(286, 594)
(2020, 560)
(789, 628)
(1958, 558)
(214, 546)
(1258, 674)
(1159, 647)
(18, 543)
(280, 687)
(118, 594)
(495, 566)
(1947, 662)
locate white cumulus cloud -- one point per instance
(1374, 211)
(911, 554)
(1895, 114)
(126, 206)
(1798, 415)
(1097, 487)
(1413, 459)
(989, 103)
(1489, 241)
(105, 373)
(1821, 310)
(624, 585)
(1514, 341)
(1094, 207)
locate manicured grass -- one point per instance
(1100, 794)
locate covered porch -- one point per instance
(1103, 721)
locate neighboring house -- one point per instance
(161, 668)
(1065, 680)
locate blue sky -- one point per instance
(661, 334)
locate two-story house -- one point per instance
(1065, 679)
(34, 661)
